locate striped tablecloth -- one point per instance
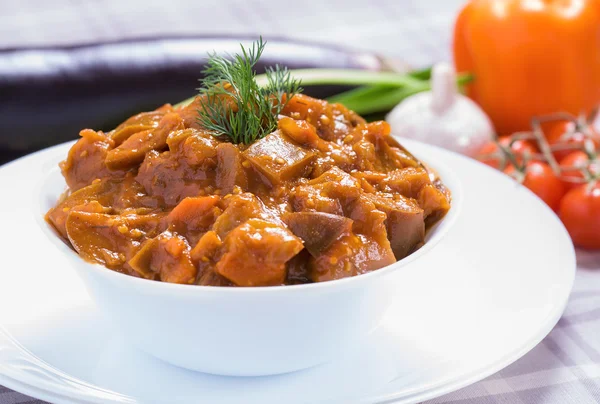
(565, 367)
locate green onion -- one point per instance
(376, 92)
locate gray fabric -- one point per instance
(565, 367)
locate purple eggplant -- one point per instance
(47, 95)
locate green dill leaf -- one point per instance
(232, 104)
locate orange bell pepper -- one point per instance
(530, 57)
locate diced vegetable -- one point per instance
(138, 123)
(169, 176)
(406, 181)
(434, 203)
(238, 209)
(256, 253)
(193, 216)
(300, 132)
(279, 159)
(318, 230)
(110, 239)
(92, 149)
(197, 147)
(404, 222)
(351, 255)
(230, 172)
(133, 150)
(166, 257)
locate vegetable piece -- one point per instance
(542, 181)
(239, 209)
(314, 198)
(230, 172)
(318, 230)
(206, 248)
(300, 132)
(406, 181)
(93, 147)
(111, 195)
(442, 116)
(256, 253)
(404, 222)
(188, 111)
(369, 221)
(166, 257)
(197, 147)
(509, 46)
(169, 177)
(337, 183)
(139, 123)
(580, 213)
(566, 137)
(133, 150)
(108, 239)
(329, 193)
(351, 255)
(573, 166)
(319, 113)
(204, 255)
(279, 159)
(193, 216)
(58, 216)
(297, 271)
(232, 104)
(434, 202)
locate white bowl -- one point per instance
(244, 331)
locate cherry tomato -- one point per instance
(542, 181)
(580, 212)
(577, 158)
(558, 134)
(519, 148)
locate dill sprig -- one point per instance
(233, 104)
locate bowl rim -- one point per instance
(435, 234)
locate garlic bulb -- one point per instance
(442, 116)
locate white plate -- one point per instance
(487, 294)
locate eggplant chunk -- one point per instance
(435, 203)
(197, 147)
(256, 253)
(238, 209)
(351, 255)
(166, 257)
(279, 159)
(86, 160)
(110, 196)
(110, 240)
(406, 181)
(230, 172)
(318, 230)
(404, 223)
(193, 216)
(329, 192)
(138, 123)
(132, 151)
